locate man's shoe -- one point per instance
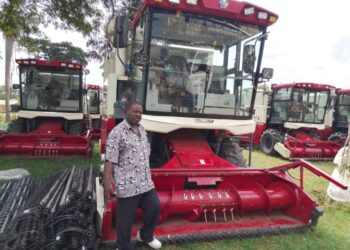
(138, 237)
(155, 243)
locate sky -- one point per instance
(310, 42)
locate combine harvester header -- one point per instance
(50, 118)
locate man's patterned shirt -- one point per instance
(129, 153)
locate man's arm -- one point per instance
(107, 176)
(112, 156)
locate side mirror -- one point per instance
(267, 73)
(16, 86)
(84, 91)
(249, 59)
(121, 26)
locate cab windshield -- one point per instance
(343, 109)
(50, 89)
(94, 101)
(197, 67)
(299, 105)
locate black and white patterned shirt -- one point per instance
(129, 152)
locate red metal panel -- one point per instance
(306, 85)
(46, 141)
(94, 86)
(233, 11)
(53, 64)
(343, 91)
(107, 124)
(302, 145)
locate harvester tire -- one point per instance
(338, 138)
(16, 126)
(268, 140)
(232, 152)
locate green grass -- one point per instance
(13, 116)
(40, 168)
(332, 231)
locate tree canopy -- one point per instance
(63, 51)
(23, 20)
(98, 43)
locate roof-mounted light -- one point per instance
(262, 15)
(272, 19)
(64, 64)
(249, 11)
(174, 1)
(158, 1)
(25, 62)
(191, 2)
(32, 62)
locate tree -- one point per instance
(98, 43)
(63, 51)
(20, 20)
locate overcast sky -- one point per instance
(310, 42)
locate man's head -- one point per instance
(133, 112)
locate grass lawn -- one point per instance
(332, 231)
(40, 168)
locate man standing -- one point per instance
(127, 159)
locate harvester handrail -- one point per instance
(305, 164)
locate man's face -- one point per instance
(134, 114)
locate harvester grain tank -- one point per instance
(50, 118)
(296, 125)
(190, 63)
(341, 116)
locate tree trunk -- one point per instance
(9, 44)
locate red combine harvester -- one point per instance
(189, 63)
(341, 117)
(93, 100)
(50, 118)
(296, 122)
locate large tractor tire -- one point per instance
(232, 152)
(16, 126)
(338, 138)
(268, 140)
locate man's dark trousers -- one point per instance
(149, 203)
